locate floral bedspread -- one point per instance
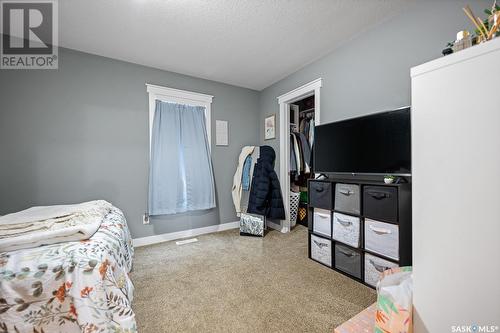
(80, 286)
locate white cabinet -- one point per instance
(456, 182)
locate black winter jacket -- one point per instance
(265, 191)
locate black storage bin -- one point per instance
(380, 203)
(320, 194)
(348, 260)
(310, 221)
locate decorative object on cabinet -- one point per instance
(488, 28)
(389, 179)
(448, 50)
(463, 41)
(370, 226)
(270, 127)
(485, 29)
(252, 225)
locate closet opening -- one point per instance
(301, 166)
(301, 104)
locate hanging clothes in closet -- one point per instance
(300, 154)
(301, 143)
(307, 128)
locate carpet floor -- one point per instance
(229, 283)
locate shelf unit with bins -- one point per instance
(359, 227)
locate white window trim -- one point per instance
(181, 97)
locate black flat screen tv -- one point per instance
(374, 144)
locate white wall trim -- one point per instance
(184, 94)
(182, 97)
(300, 92)
(276, 226)
(143, 241)
(284, 101)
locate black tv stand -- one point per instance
(360, 227)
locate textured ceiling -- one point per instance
(248, 43)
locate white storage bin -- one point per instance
(382, 238)
(346, 229)
(322, 222)
(374, 266)
(321, 250)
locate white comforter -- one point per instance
(51, 224)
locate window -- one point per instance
(181, 175)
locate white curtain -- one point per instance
(181, 176)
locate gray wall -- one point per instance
(371, 72)
(81, 133)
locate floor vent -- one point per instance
(186, 241)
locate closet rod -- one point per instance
(308, 110)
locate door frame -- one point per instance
(284, 101)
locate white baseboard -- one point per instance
(143, 241)
(277, 226)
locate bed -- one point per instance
(76, 286)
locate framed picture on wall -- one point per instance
(270, 127)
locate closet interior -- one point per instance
(301, 157)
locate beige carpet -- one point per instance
(229, 283)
